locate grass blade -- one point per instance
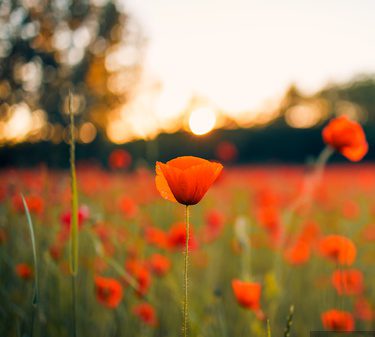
(289, 322)
(32, 236)
(268, 328)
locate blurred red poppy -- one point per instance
(146, 313)
(186, 179)
(156, 237)
(347, 137)
(214, 225)
(128, 207)
(108, 291)
(299, 253)
(24, 271)
(35, 204)
(337, 320)
(348, 282)
(363, 309)
(247, 294)
(177, 237)
(138, 269)
(83, 215)
(159, 264)
(338, 249)
(119, 159)
(226, 151)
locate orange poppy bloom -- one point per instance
(24, 271)
(338, 248)
(108, 291)
(247, 294)
(186, 179)
(347, 137)
(146, 313)
(348, 282)
(336, 320)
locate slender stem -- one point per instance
(185, 313)
(74, 218)
(74, 300)
(74, 213)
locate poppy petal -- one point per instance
(162, 184)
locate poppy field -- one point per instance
(272, 250)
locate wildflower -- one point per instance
(337, 320)
(119, 159)
(363, 309)
(128, 207)
(159, 264)
(83, 215)
(226, 151)
(176, 237)
(146, 313)
(247, 294)
(186, 179)
(299, 253)
(34, 203)
(108, 291)
(138, 269)
(338, 249)
(348, 282)
(24, 271)
(347, 137)
(213, 226)
(155, 236)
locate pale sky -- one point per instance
(239, 53)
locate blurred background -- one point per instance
(239, 81)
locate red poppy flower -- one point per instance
(177, 237)
(186, 179)
(339, 249)
(141, 273)
(347, 137)
(363, 309)
(213, 226)
(24, 271)
(336, 320)
(146, 313)
(299, 253)
(83, 214)
(226, 151)
(128, 207)
(348, 282)
(159, 264)
(35, 204)
(119, 159)
(247, 294)
(108, 291)
(156, 237)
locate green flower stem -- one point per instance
(185, 310)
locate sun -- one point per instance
(202, 120)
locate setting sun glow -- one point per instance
(202, 121)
